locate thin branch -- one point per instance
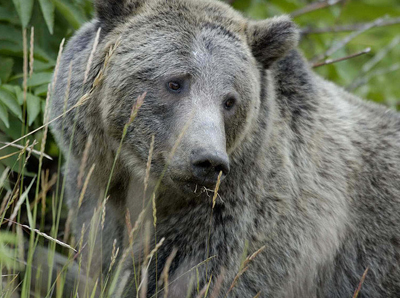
(314, 6)
(379, 72)
(331, 61)
(348, 28)
(381, 54)
(28, 149)
(338, 45)
(373, 62)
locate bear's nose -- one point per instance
(206, 166)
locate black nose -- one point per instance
(207, 165)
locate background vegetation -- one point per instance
(365, 33)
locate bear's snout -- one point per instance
(206, 166)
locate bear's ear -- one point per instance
(112, 12)
(272, 39)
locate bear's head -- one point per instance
(201, 65)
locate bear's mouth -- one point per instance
(193, 188)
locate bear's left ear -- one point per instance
(112, 12)
(272, 39)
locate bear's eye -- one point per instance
(174, 86)
(229, 103)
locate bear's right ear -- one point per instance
(272, 39)
(112, 12)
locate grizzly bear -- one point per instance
(211, 133)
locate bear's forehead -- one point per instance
(177, 37)
(197, 12)
(183, 37)
(210, 47)
(187, 16)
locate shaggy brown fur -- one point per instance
(310, 171)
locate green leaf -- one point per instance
(20, 95)
(9, 88)
(41, 66)
(13, 132)
(9, 48)
(8, 15)
(41, 90)
(33, 107)
(16, 90)
(9, 100)
(6, 65)
(47, 7)
(10, 33)
(73, 15)
(40, 78)
(4, 115)
(24, 9)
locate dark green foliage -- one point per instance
(52, 21)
